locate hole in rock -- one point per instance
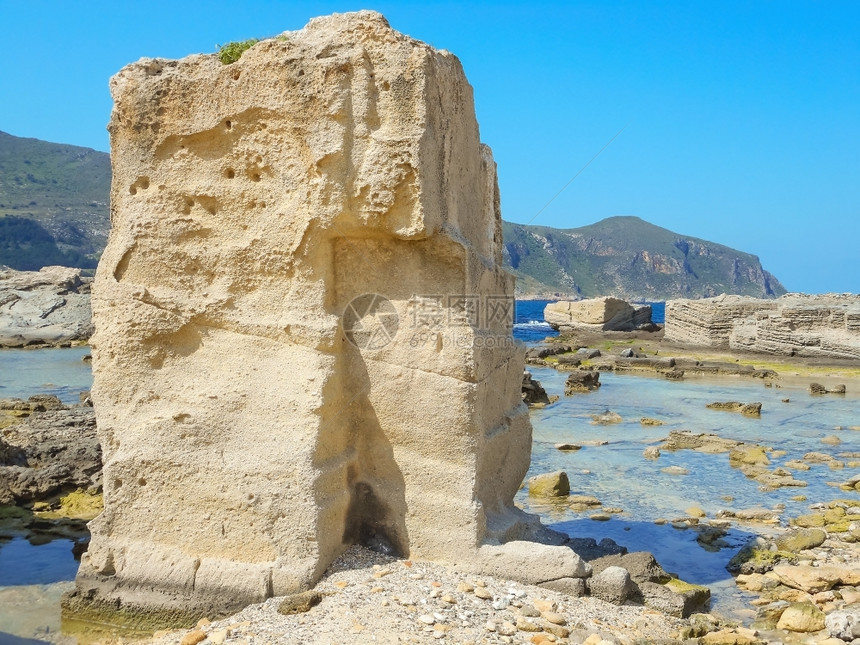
(141, 481)
(229, 173)
(236, 74)
(228, 124)
(369, 522)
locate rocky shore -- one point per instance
(50, 470)
(804, 570)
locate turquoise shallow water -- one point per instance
(620, 476)
(63, 372)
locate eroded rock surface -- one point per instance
(815, 326)
(49, 449)
(303, 327)
(598, 314)
(46, 307)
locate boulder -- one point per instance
(800, 539)
(815, 579)
(843, 624)
(597, 314)
(801, 617)
(533, 393)
(640, 565)
(701, 442)
(575, 587)
(537, 354)
(303, 325)
(744, 455)
(749, 409)
(46, 307)
(532, 563)
(736, 636)
(818, 388)
(581, 381)
(554, 484)
(607, 417)
(612, 584)
(676, 598)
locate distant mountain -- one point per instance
(53, 203)
(54, 209)
(629, 258)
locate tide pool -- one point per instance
(620, 476)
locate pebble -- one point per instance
(193, 637)
(544, 605)
(525, 625)
(482, 593)
(554, 618)
(529, 611)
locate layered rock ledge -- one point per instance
(812, 326)
(46, 307)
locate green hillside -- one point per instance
(629, 258)
(53, 203)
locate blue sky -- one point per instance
(741, 119)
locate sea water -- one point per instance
(59, 371)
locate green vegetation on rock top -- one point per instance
(231, 52)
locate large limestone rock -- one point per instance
(596, 314)
(303, 327)
(46, 307)
(815, 326)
